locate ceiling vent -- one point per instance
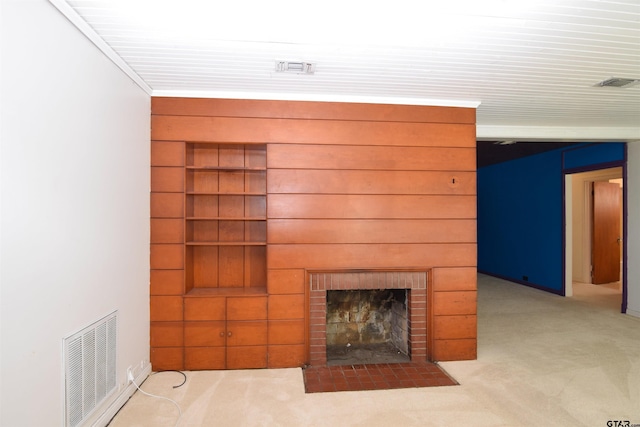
(619, 82)
(295, 67)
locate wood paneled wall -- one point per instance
(348, 186)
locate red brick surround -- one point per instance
(322, 281)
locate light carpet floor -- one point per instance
(543, 360)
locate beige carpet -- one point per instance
(543, 360)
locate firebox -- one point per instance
(367, 316)
(367, 326)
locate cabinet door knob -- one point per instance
(229, 333)
(222, 334)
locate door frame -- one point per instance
(567, 208)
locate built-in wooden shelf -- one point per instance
(225, 216)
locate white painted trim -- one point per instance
(90, 33)
(559, 133)
(633, 313)
(111, 411)
(568, 237)
(582, 217)
(587, 227)
(277, 96)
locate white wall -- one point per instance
(633, 232)
(74, 215)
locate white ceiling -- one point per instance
(531, 66)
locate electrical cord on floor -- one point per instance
(161, 397)
(180, 372)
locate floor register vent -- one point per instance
(90, 368)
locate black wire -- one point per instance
(180, 372)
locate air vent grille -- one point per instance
(90, 368)
(619, 82)
(295, 67)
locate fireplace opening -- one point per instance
(367, 326)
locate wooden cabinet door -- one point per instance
(204, 358)
(247, 357)
(225, 333)
(246, 344)
(205, 334)
(246, 332)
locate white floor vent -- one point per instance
(90, 368)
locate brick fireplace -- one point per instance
(413, 281)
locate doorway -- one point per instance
(580, 260)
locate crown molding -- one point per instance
(558, 133)
(277, 96)
(64, 8)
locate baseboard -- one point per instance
(633, 313)
(105, 417)
(523, 282)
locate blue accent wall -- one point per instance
(592, 154)
(520, 213)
